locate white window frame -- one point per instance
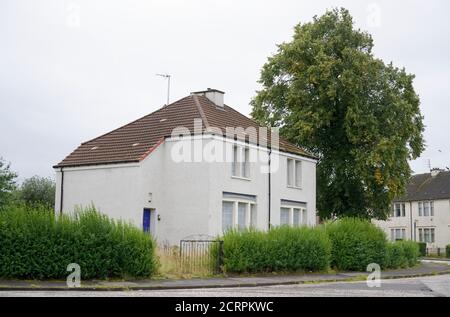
(240, 165)
(303, 215)
(427, 234)
(398, 234)
(294, 179)
(248, 213)
(401, 208)
(426, 208)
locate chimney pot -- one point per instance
(216, 96)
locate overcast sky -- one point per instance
(72, 70)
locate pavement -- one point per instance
(429, 286)
(426, 268)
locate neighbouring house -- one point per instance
(423, 214)
(167, 173)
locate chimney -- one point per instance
(216, 96)
(435, 172)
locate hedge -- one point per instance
(281, 249)
(422, 248)
(36, 244)
(401, 254)
(447, 251)
(355, 244)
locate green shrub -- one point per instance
(447, 251)
(411, 252)
(395, 257)
(355, 244)
(37, 244)
(422, 248)
(401, 254)
(281, 249)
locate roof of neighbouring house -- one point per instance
(134, 141)
(427, 187)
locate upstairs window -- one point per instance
(240, 166)
(399, 210)
(426, 208)
(294, 173)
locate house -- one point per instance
(193, 167)
(423, 214)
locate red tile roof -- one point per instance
(134, 141)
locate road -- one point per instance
(411, 287)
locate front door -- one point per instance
(146, 220)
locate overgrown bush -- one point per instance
(422, 248)
(355, 244)
(281, 249)
(37, 244)
(447, 251)
(401, 254)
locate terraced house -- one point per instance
(423, 214)
(178, 172)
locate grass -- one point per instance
(171, 266)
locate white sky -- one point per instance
(72, 70)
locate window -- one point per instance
(399, 210)
(284, 216)
(427, 235)
(253, 218)
(240, 166)
(239, 214)
(290, 172)
(294, 173)
(398, 234)
(298, 174)
(304, 217)
(297, 215)
(242, 215)
(227, 215)
(426, 208)
(293, 216)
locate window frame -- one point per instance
(303, 216)
(425, 208)
(249, 211)
(427, 234)
(294, 179)
(240, 165)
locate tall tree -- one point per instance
(7, 183)
(38, 190)
(329, 94)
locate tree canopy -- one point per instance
(360, 117)
(38, 191)
(7, 183)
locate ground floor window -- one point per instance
(238, 214)
(293, 216)
(398, 234)
(427, 235)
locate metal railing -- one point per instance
(201, 256)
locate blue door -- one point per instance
(146, 220)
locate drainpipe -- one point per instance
(62, 192)
(270, 188)
(411, 221)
